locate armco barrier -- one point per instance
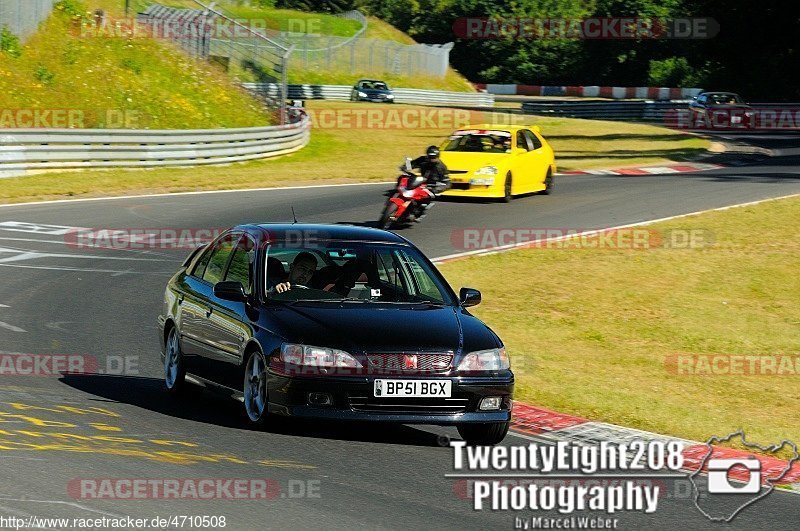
(401, 95)
(765, 116)
(35, 149)
(591, 91)
(635, 111)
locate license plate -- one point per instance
(413, 388)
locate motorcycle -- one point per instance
(406, 203)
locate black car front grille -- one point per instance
(459, 186)
(409, 362)
(409, 406)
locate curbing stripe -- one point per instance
(528, 420)
(650, 170)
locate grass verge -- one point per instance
(591, 331)
(358, 154)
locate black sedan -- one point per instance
(372, 90)
(334, 322)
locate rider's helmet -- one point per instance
(432, 152)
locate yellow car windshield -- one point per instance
(479, 143)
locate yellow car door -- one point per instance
(521, 164)
(537, 160)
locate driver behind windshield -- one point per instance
(302, 269)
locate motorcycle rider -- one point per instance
(437, 178)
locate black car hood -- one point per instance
(359, 328)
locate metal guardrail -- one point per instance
(671, 113)
(401, 95)
(636, 111)
(36, 149)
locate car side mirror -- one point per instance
(230, 291)
(469, 297)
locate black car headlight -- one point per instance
(310, 356)
(495, 359)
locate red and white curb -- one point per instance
(591, 91)
(650, 170)
(532, 421)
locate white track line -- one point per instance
(311, 186)
(512, 246)
(11, 327)
(199, 192)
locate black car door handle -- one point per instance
(209, 311)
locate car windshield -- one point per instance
(480, 142)
(724, 99)
(353, 272)
(374, 85)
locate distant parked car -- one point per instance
(372, 90)
(721, 110)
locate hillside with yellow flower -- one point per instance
(114, 81)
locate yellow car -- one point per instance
(492, 161)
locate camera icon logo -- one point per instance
(718, 476)
(735, 483)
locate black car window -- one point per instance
(522, 141)
(219, 257)
(241, 267)
(200, 267)
(532, 139)
(361, 271)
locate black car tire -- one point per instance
(174, 368)
(507, 197)
(487, 434)
(255, 388)
(385, 222)
(548, 183)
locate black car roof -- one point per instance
(322, 232)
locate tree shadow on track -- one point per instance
(210, 405)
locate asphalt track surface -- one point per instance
(56, 299)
